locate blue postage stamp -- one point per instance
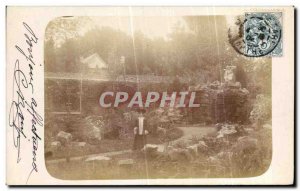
(263, 34)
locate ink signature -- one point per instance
(21, 106)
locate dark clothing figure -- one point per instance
(140, 133)
(139, 142)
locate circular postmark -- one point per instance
(257, 34)
(236, 35)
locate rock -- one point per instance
(214, 160)
(64, 138)
(219, 126)
(94, 133)
(183, 143)
(267, 126)
(234, 85)
(79, 146)
(98, 159)
(248, 141)
(202, 147)
(179, 155)
(55, 144)
(215, 85)
(245, 142)
(150, 150)
(91, 129)
(161, 149)
(173, 154)
(150, 147)
(193, 150)
(126, 163)
(226, 130)
(202, 143)
(244, 91)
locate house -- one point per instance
(94, 61)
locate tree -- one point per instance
(61, 43)
(67, 27)
(50, 57)
(69, 56)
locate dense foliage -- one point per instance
(199, 47)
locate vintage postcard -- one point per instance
(150, 95)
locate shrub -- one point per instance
(262, 110)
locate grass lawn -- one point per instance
(143, 168)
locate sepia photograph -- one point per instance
(159, 97)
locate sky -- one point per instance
(150, 26)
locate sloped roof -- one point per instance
(94, 61)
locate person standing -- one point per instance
(140, 132)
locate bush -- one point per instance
(254, 161)
(262, 110)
